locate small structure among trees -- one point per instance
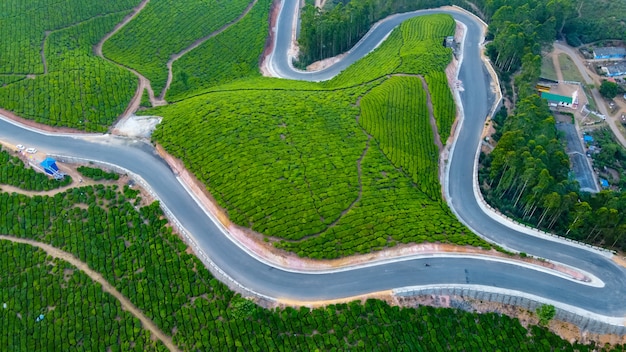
(50, 167)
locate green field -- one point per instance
(12, 172)
(318, 173)
(547, 67)
(78, 315)
(569, 69)
(77, 89)
(164, 28)
(135, 250)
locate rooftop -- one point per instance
(617, 69)
(609, 51)
(556, 97)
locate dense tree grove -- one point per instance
(526, 175)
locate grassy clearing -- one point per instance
(547, 67)
(569, 70)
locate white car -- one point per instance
(31, 150)
(20, 147)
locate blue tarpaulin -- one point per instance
(588, 139)
(604, 183)
(49, 165)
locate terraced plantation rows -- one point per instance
(230, 55)
(297, 167)
(23, 25)
(422, 48)
(134, 249)
(164, 28)
(77, 314)
(396, 114)
(444, 108)
(283, 163)
(79, 89)
(415, 48)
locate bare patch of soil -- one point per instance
(567, 331)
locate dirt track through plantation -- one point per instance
(197, 43)
(106, 287)
(144, 83)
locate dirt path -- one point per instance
(43, 52)
(433, 122)
(106, 287)
(144, 83)
(197, 43)
(557, 65)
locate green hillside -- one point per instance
(164, 28)
(134, 249)
(329, 169)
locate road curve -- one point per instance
(142, 159)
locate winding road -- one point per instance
(604, 302)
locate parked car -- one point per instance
(31, 150)
(19, 147)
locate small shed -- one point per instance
(609, 53)
(604, 183)
(449, 42)
(50, 166)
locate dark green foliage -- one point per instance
(97, 174)
(610, 155)
(546, 312)
(526, 176)
(137, 253)
(164, 28)
(231, 55)
(528, 170)
(79, 89)
(609, 89)
(334, 30)
(13, 172)
(597, 20)
(78, 315)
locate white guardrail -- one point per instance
(186, 236)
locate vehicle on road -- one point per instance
(31, 150)
(20, 147)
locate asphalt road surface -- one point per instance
(141, 158)
(581, 167)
